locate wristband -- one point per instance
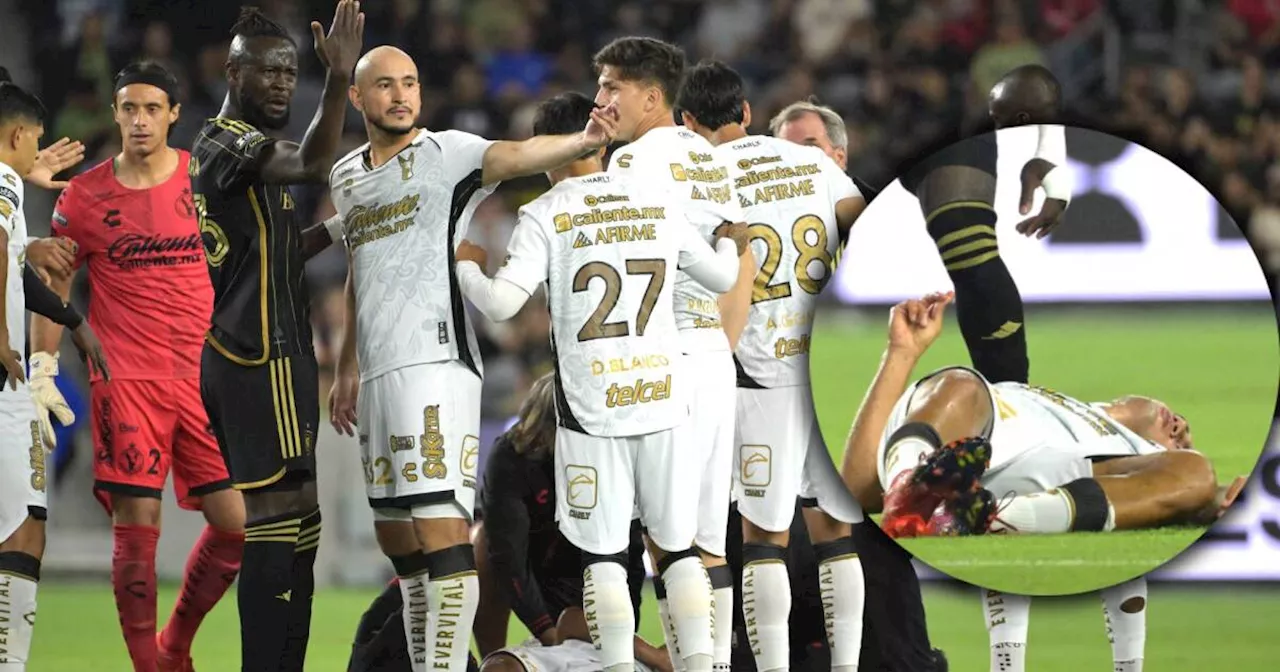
(1058, 184)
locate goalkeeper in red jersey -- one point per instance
(133, 221)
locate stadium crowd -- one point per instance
(903, 73)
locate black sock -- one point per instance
(304, 587)
(988, 305)
(265, 592)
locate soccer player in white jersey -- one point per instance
(404, 201)
(800, 206)
(641, 77)
(608, 248)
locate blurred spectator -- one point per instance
(1010, 48)
(86, 116)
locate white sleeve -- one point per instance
(528, 254)
(10, 207)
(1052, 145)
(498, 299)
(841, 184)
(716, 270)
(463, 153)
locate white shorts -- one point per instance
(23, 478)
(602, 481)
(712, 416)
(419, 438)
(571, 656)
(781, 456)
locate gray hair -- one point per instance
(833, 122)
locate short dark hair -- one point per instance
(645, 59)
(253, 23)
(17, 103)
(158, 75)
(713, 94)
(562, 114)
(4, 74)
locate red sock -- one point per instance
(133, 575)
(211, 569)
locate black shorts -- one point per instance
(265, 417)
(979, 152)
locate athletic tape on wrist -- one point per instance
(334, 226)
(1058, 184)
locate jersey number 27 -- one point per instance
(595, 326)
(810, 251)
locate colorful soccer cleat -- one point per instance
(970, 513)
(944, 474)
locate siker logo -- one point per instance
(184, 206)
(111, 219)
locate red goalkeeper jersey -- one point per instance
(150, 294)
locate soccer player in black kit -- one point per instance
(258, 370)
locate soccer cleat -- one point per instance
(167, 661)
(943, 475)
(970, 513)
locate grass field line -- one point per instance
(1046, 562)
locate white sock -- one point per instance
(904, 455)
(766, 607)
(722, 635)
(689, 602)
(413, 589)
(606, 603)
(18, 617)
(1007, 620)
(1038, 513)
(844, 593)
(451, 613)
(1127, 631)
(669, 635)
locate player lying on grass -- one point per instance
(934, 453)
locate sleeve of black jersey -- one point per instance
(507, 528)
(41, 300)
(234, 153)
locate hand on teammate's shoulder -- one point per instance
(737, 232)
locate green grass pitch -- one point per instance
(1216, 365)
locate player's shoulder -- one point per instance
(450, 139)
(219, 135)
(10, 184)
(348, 165)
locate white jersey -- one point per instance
(1030, 418)
(680, 163)
(15, 226)
(608, 249)
(788, 193)
(402, 222)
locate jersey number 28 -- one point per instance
(765, 288)
(596, 327)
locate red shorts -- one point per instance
(142, 428)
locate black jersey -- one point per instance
(252, 234)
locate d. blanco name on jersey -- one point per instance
(608, 249)
(788, 194)
(681, 163)
(402, 222)
(15, 225)
(1028, 418)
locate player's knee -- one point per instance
(440, 525)
(754, 534)
(19, 563)
(224, 510)
(280, 498)
(29, 538)
(501, 662)
(451, 561)
(762, 553)
(961, 390)
(1196, 479)
(621, 559)
(132, 510)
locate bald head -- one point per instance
(1028, 94)
(386, 91)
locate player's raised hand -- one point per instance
(1051, 211)
(342, 402)
(56, 256)
(91, 348)
(469, 251)
(737, 232)
(340, 49)
(54, 159)
(602, 128)
(914, 324)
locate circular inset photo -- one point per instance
(1051, 367)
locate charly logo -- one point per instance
(581, 486)
(756, 470)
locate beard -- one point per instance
(257, 116)
(395, 131)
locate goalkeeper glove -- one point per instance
(44, 392)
